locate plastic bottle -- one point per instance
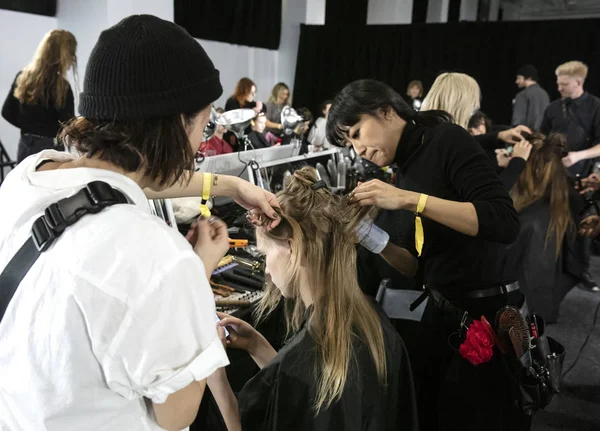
(370, 236)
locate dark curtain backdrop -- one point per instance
(240, 22)
(38, 7)
(346, 12)
(329, 58)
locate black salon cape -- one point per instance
(544, 277)
(281, 396)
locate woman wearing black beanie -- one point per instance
(113, 327)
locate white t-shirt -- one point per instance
(118, 309)
(317, 135)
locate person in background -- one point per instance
(344, 368)
(301, 130)
(531, 102)
(257, 136)
(40, 98)
(280, 97)
(216, 144)
(317, 136)
(543, 258)
(414, 94)
(479, 124)
(577, 115)
(459, 95)
(243, 98)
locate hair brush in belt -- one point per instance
(513, 329)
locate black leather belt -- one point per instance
(492, 291)
(474, 294)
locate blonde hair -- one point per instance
(545, 177)
(275, 94)
(573, 69)
(456, 93)
(44, 79)
(319, 226)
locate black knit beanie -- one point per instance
(146, 67)
(528, 71)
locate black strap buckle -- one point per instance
(96, 196)
(42, 234)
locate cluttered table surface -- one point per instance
(237, 283)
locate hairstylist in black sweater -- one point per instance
(467, 218)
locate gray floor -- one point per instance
(577, 407)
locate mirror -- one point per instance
(289, 120)
(236, 121)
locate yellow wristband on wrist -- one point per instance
(206, 184)
(419, 234)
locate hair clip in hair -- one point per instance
(318, 185)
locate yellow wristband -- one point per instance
(422, 202)
(419, 234)
(206, 183)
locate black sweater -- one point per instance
(37, 119)
(446, 162)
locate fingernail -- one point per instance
(275, 215)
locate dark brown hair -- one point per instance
(243, 87)
(43, 80)
(545, 177)
(159, 145)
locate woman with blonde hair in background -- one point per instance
(40, 98)
(279, 98)
(345, 367)
(459, 95)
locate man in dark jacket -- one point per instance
(531, 102)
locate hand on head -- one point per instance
(514, 135)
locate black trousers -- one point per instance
(33, 144)
(453, 394)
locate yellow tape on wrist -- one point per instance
(206, 183)
(419, 235)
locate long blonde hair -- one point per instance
(273, 98)
(457, 94)
(545, 177)
(44, 79)
(320, 228)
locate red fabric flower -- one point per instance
(478, 345)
